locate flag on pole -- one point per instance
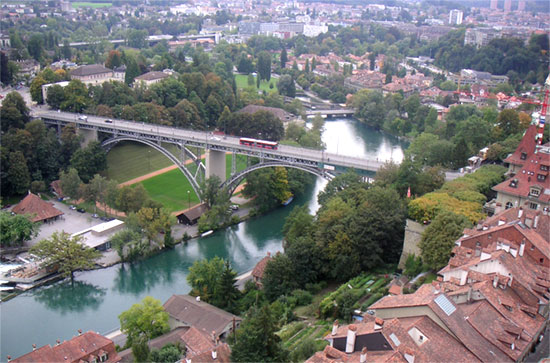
(409, 192)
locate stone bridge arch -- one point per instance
(232, 183)
(109, 143)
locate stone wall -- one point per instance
(413, 234)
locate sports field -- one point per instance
(170, 189)
(84, 4)
(242, 82)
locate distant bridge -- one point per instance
(317, 162)
(152, 39)
(341, 112)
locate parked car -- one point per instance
(83, 118)
(95, 215)
(234, 207)
(72, 207)
(81, 210)
(109, 121)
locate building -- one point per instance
(99, 236)
(455, 17)
(150, 78)
(281, 114)
(521, 5)
(192, 215)
(5, 41)
(28, 67)
(200, 346)
(92, 74)
(187, 311)
(37, 209)
(87, 347)
(494, 4)
(507, 5)
(258, 271)
(529, 185)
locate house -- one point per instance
(258, 271)
(200, 346)
(87, 347)
(119, 73)
(150, 78)
(92, 74)
(99, 236)
(37, 209)
(186, 310)
(28, 67)
(55, 187)
(191, 216)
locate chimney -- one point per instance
(268, 254)
(522, 247)
(495, 281)
(520, 212)
(214, 354)
(9, 358)
(79, 331)
(34, 347)
(545, 211)
(58, 342)
(409, 355)
(198, 298)
(536, 221)
(334, 327)
(469, 296)
(363, 357)
(213, 336)
(350, 340)
(378, 323)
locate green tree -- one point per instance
(284, 58)
(76, 96)
(55, 96)
(286, 86)
(226, 293)
(89, 161)
(70, 183)
(169, 353)
(264, 66)
(16, 229)
(279, 277)
(256, 340)
(35, 46)
(114, 59)
(36, 89)
(140, 350)
(14, 111)
(67, 253)
(137, 38)
(18, 175)
(145, 321)
(132, 70)
(204, 278)
(439, 238)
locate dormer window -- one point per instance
(534, 192)
(541, 177)
(543, 167)
(514, 183)
(509, 205)
(523, 155)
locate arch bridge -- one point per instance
(190, 144)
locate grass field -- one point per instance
(84, 4)
(242, 82)
(129, 160)
(170, 189)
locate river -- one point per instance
(57, 311)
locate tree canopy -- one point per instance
(145, 321)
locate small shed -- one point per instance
(192, 215)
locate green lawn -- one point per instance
(242, 82)
(84, 4)
(170, 189)
(129, 160)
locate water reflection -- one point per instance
(67, 297)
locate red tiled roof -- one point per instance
(37, 208)
(527, 146)
(197, 341)
(259, 269)
(223, 355)
(78, 348)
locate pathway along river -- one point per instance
(97, 297)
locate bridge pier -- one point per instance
(215, 164)
(87, 136)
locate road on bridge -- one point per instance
(291, 154)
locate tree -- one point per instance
(145, 321)
(137, 38)
(16, 229)
(18, 175)
(279, 277)
(89, 161)
(226, 293)
(245, 64)
(14, 111)
(439, 238)
(76, 96)
(256, 340)
(6, 75)
(55, 96)
(284, 58)
(36, 89)
(204, 277)
(286, 86)
(264, 65)
(132, 70)
(70, 183)
(114, 59)
(35, 46)
(508, 122)
(169, 353)
(68, 253)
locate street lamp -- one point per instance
(188, 199)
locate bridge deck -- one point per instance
(159, 133)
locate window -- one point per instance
(523, 156)
(509, 205)
(543, 167)
(541, 177)
(533, 206)
(104, 357)
(514, 183)
(534, 192)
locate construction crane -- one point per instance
(542, 116)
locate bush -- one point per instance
(315, 288)
(290, 330)
(413, 266)
(304, 350)
(302, 297)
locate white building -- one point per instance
(313, 30)
(455, 17)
